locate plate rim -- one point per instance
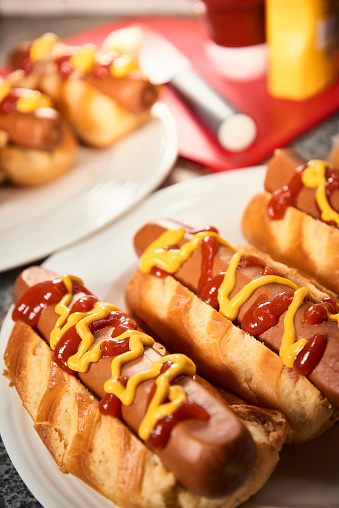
(160, 112)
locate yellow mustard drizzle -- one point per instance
(156, 409)
(230, 308)
(315, 176)
(5, 88)
(122, 66)
(62, 309)
(81, 361)
(171, 259)
(289, 347)
(334, 317)
(42, 46)
(32, 101)
(159, 254)
(83, 60)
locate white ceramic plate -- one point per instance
(307, 475)
(100, 188)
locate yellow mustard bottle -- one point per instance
(303, 39)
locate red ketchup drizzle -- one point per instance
(67, 346)
(101, 71)
(26, 63)
(284, 197)
(83, 304)
(110, 404)
(265, 313)
(317, 312)
(121, 323)
(159, 272)
(203, 229)
(209, 293)
(114, 347)
(69, 343)
(269, 270)
(162, 430)
(102, 68)
(209, 246)
(250, 261)
(64, 65)
(118, 320)
(310, 355)
(36, 298)
(9, 103)
(163, 369)
(332, 184)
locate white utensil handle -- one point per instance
(234, 130)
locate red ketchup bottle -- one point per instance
(236, 36)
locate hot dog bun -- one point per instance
(101, 450)
(299, 239)
(29, 167)
(98, 120)
(37, 145)
(222, 351)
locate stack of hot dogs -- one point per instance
(142, 428)
(251, 363)
(89, 95)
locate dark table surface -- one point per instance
(314, 144)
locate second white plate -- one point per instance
(102, 186)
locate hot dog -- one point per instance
(300, 230)
(241, 318)
(37, 145)
(208, 451)
(103, 95)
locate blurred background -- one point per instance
(63, 7)
(280, 102)
(66, 17)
